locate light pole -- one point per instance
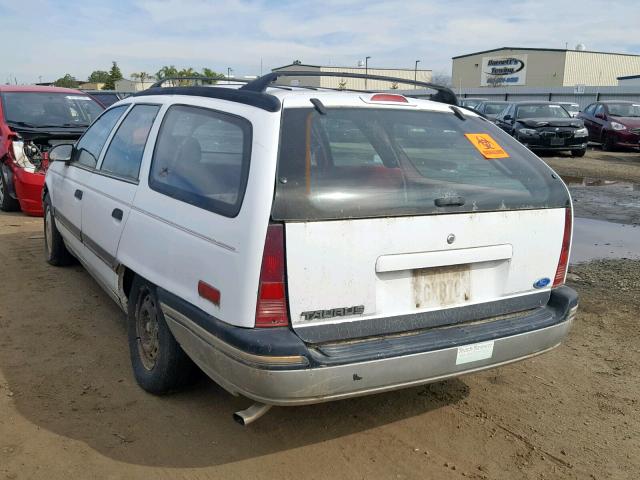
(415, 73)
(366, 70)
(229, 70)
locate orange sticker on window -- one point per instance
(486, 145)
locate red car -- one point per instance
(613, 123)
(32, 121)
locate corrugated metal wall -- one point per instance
(358, 84)
(603, 69)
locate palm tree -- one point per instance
(142, 76)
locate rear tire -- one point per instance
(55, 250)
(579, 153)
(7, 203)
(159, 363)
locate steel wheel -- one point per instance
(147, 330)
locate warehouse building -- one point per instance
(541, 67)
(352, 83)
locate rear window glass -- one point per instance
(357, 163)
(202, 158)
(44, 109)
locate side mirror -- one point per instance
(61, 153)
(601, 116)
(507, 118)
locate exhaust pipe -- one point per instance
(251, 414)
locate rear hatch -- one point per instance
(399, 218)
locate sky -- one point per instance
(43, 40)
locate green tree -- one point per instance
(342, 84)
(98, 76)
(67, 81)
(394, 86)
(207, 72)
(114, 75)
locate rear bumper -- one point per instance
(302, 374)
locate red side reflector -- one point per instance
(271, 309)
(208, 292)
(563, 262)
(388, 97)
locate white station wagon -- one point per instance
(303, 245)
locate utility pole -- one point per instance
(229, 70)
(366, 70)
(415, 74)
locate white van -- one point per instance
(304, 245)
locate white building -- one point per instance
(126, 85)
(629, 81)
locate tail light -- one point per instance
(271, 309)
(563, 263)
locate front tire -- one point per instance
(159, 363)
(579, 153)
(55, 250)
(607, 143)
(7, 203)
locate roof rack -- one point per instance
(260, 100)
(198, 80)
(443, 94)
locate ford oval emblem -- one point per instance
(543, 282)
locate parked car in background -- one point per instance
(107, 97)
(470, 102)
(571, 107)
(544, 126)
(233, 225)
(613, 123)
(32, 121)
(491, 108)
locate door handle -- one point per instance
(78, 194)
(117, 214)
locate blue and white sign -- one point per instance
(504, 71)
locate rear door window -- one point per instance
(202, 158)
(358, 163)
(124, 153)
(90, 145)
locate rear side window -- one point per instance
(124, 153)
(202, 158)
(359, 163)
(90, 145)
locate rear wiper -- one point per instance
(449, 201)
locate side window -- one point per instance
(589, 110)
(124, 153)
(599, 109)
(90, 145)
(202, 157)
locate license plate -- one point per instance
(474, 352)
(442, 286)
(557, 141)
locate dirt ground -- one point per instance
(69, 407)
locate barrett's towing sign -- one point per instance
(503, 71)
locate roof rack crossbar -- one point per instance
(260, 84)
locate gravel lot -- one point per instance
(69, 407)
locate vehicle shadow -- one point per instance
(64, 356)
